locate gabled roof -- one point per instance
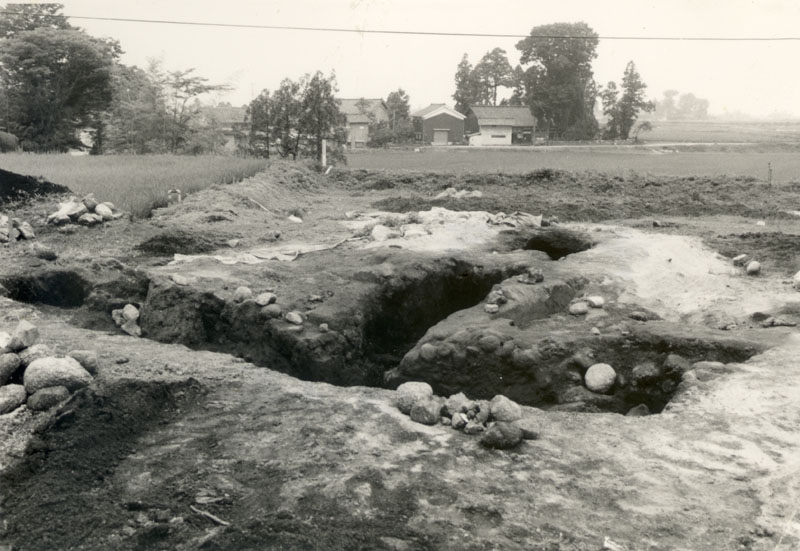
(437, 109)
(224, 114)
(351, 106)
(488, 115)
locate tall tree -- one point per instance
(561, 55)
(320, 111)
(258, 118)
(56, 81)
(16, 18)
(398, 107)
(493, 71)
(285, 116)
(182, 89)
(468, 86)
(623, 109)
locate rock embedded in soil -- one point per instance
(26, 334)
(47, 397)
(265, 299)
(294, 317)
(740, 260)
(676, 364)
(11, 397)
(9, 363)
(503, 409)
(645, 372)
(491, 308)
(579, 309)
(428, 352)
(272, 311)
(502, 436)
(595, 301)
(104, 212)
(459, 421)
(87, 359)
(242, 293)
(5, 340)
(426, 411)
(44, 252)
(39, 350)
(51, 371)
(90, 202)
(753, 268)
(474, 427)
(26, 231)
(409, 394)
(90, 219)
(639, 411)
(600, 378)
(130, 312)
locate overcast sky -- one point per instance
(759, 78)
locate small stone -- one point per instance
(504, 409)
(639, 411)
(9, 363)
(426, 412)
(645, 372)
(131, 328)
(323, 328)
(638, 316)
(241, 294)
(48, 397)
(676, 364)
(315, 298)
(579, 309)
(483, 412)
(445, 421)
(489, 343)
(89, 202)
(272, 311)
(34, 352)
(43, 252)
(530, 428)
(26, 231)
(90, 219)
(595, 301)
(87, 359)
(58, 219)
(232, 243)
(496, 297)
(5, 340)
(502, 436)
(109, 204)
(428, 352)
(52, 371)
(740, 260)
(594, 331)
(753, 268)
(796, 281)
(26, 334)
(410, 393)
(535, 275)
(180, 280)
(473, 427)
(11, 397)
(459, 421)
(600, 378)
(130, 313)
(294, 317)
(265, 299)
(104, 212)
(491, 308)
(456, 403)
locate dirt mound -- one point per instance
(16, 187)
(177, 241)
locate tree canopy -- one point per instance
(623, 110)
(558, 80)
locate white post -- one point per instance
(324, 153)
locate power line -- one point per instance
(431, 33)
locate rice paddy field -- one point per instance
(135, 183)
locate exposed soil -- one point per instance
(202, 448)
(17, 187)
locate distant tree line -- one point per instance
(677, 106)
(556, 81)
(56, 82)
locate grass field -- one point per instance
(735, 161)
(724, 131)
(135, 184)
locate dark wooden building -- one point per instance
(439, 124)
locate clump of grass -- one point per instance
(134, 183)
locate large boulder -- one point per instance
(502, 436)
(9, 363)
(11, 397)
(48, 397)
(600, 378)
(87, 359)
(51, 371)
(408, 394)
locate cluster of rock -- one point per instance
(47, 380)
(751, 267)
(15, 231)
(458, 194)
(499, 421)
(581, 307)
(127, 319)
(87, 211)
(268, 300)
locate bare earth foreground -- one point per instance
(228, 427)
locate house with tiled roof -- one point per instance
(500, 125)
(229, 120)
(438, 124)
(359, 114)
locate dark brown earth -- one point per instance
(195, 423)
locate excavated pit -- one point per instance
(63, 288)
(70, 462)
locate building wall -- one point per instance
(454, 126)
(357, 134)
(492, 135)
